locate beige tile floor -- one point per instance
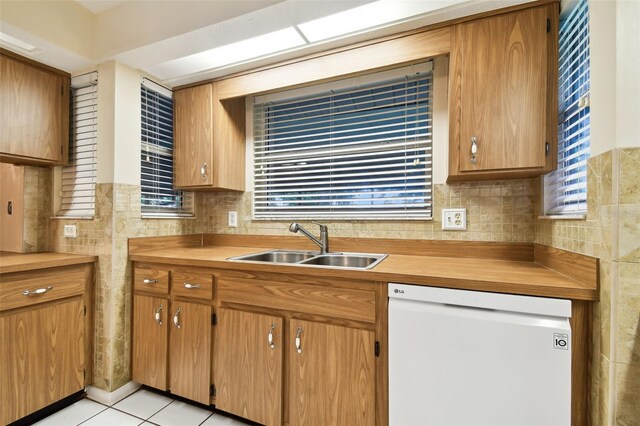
(140, 408)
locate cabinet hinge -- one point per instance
(376, 348)
(547, 148)
(214, 319)
(548, 25)
(212, 390)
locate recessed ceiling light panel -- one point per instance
(369, 16)
(233, 53)
(16, 44)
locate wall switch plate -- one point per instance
(70, 231)
(233, 219)
(454, 219)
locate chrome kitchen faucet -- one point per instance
(323, 242)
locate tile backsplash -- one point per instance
(496, 211)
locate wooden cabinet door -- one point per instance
(41, 357)
(34, 112)
(331, 376)
(499, 70)
(193, 136)
(248, 365)
(190, 351)
(150, 341)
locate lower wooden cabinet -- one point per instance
(279, 350)
(45, 338)
(331, 375)
(172, 331)
(248, 365)
(190, 351)
(151, 339)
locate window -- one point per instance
(566, 188)
(158, 198)
(79, 176)
(359, 148)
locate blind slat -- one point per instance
(356, 152)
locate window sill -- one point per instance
(72, 217)
(164, 217)
(564, 217)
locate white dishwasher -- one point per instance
(470, 358)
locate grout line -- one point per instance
(101, 411)
(129, 414)
(172, 401)
(202, 422)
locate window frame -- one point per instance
(149, 149)
(425, 67)
(551, 196)
(79, 82)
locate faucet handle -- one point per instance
(323, 228)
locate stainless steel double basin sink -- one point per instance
(309, 258)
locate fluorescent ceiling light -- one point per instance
(233, 53)
(15, 43)
(376, 14)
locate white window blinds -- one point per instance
(158, 198)
(566, 188)
(358, 151)
(79, 176)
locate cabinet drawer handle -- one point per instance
(270, 336)
(150, 281)
(474, 149)
(189, 285)
(37, 291)
(299, 340)
(203, 171)
(176, 318)
(157, 316)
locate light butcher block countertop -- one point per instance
(19, 262)
(503, 276)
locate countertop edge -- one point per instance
(59, 260)
(579, 292)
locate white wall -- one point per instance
(615, 67)
(119, 124)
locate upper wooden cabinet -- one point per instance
(209, 140)
(34, 112)
(502, 100)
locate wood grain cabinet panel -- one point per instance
(248, 365)
(331, 375)
(209, 139)
(190, 351)
(499, 100)
(42, 356)
(34, 113)
(151, 339)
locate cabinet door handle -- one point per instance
(299, 340)
(150, 281)
(157, 316)
(189, 285)
(37, 291)
(176, 318)
(474, 149)
(270, 336)
(203, 171)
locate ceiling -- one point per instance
(97, 6)
(182, 41)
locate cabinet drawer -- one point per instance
(192, 285)
(151, 280)
(337, 302)
(26, 289)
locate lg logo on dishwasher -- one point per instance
(561, 341)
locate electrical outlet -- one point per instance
(454, 219)
(70, 231)
(233, 219)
